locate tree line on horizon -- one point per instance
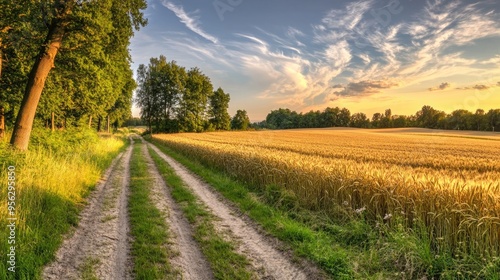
(75, 53)
(172, 99)
(427, 117)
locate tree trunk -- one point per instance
(108, 124)
(149, 126)
(99, 124)
(1, 59)
(2, 116)
(52, 125)
(90, 121)
(2, 122)
(36, 79)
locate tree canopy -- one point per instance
(75, 52)
(427, 117)
(173, 99)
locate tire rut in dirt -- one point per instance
(189, 260)
(101, 239)
(260, 251)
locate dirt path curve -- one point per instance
(100, 243)
(190, 259)
(255, 246)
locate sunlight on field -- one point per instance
(446, 184)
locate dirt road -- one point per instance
(190, 261)
(101, 241)
(272, 263)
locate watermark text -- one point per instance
(11, 219)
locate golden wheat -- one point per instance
(447, 184)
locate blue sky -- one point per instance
(307, 55)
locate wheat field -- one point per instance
(445, 184)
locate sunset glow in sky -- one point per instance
(366, 56)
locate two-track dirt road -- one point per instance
(102, 237)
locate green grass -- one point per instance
(87, 269)
(52, 180)
(341, 243)
(224, 261)
(148, 228)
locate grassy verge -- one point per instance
(147, 223)
(52, 180)
(348, 247)
(224, 261)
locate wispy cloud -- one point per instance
(191, 22)
(476, 87)
(348, 54)
(442, 86)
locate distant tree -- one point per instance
(386, 119)
(330, 117)
(360, 120)
(428, 117)
(493, 117)
(400, 121)
(219, 117)
(311, 119)
(376, 119)
(460, 119)
(480, 120)
(240, 120)
(344, 117)
(282, 118)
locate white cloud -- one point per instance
(298, 74)
(191, 22)
(339, 55)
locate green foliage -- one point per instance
(219, 117)
(427, 117)
(20, 22)
(192, 113)
(172, 99)
(92, 75)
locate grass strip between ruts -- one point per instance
(224, 261)
(147, 224)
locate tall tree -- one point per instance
(219, 117)
(193, 107)
(175, 87)
(65, 16)
(144, 97)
